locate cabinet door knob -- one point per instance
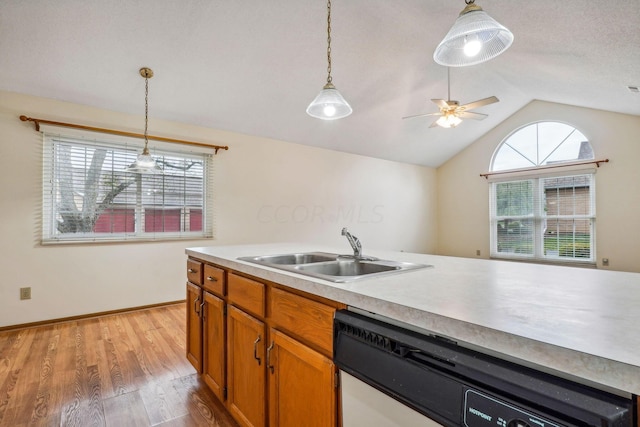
(255, 349)
(191, 270)
(212, 279)
(269, 365)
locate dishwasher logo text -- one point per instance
(480, 414)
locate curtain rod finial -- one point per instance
(36, 124)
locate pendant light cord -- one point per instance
(146, 114)
(329, 41)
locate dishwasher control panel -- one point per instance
(481, 410)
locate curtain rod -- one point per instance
(591, 162)
(120, 133)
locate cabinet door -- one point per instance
(302, 390)
(246, 375)
(194, 326)
(213, 360)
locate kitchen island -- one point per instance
(583, 324)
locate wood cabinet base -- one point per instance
(264, 349)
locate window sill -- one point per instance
(120, 240)
(582, 264)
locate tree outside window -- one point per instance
(90, 196)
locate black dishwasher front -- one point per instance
(455, 386)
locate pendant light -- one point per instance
(329, 104)
(145, 164)
(474, 38)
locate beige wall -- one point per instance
(463, 196)
(266, 191)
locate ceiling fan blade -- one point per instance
(440, 103)
(479, 103)
(470, 115)
(422, 115)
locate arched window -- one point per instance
(542, 206)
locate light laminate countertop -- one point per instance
(579, 323)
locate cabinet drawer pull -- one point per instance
(269, 365)
(212, 279)
(191, 270)
(255, 349)
(195, 305)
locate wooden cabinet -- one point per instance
(302, 391)
(269, 357)
(205, 323)
(194, 326)
(302, 388)
(246, 368)
(213, 339)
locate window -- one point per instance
(538, 212)
(88, 194)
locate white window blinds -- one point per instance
(549, 218)
(88, 194)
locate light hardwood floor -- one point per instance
(128, 369)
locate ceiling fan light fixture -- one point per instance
(329, 104)
(449, 120)
(451, 112)
(475, 37)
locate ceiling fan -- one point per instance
(451, 112)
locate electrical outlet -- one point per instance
(605, 262)
(478, 252)
(25, 293)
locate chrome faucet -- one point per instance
(354, 242)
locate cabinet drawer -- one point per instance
(194, 271)
(310, 321)
(213, 280)
(246, 294)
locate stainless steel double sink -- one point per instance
(333, 267)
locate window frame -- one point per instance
(538, 217)
(127, 147)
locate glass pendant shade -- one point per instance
(474, 38)
(329, 104)
(449, 121)
(144, 164)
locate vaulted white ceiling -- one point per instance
(253, 66)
